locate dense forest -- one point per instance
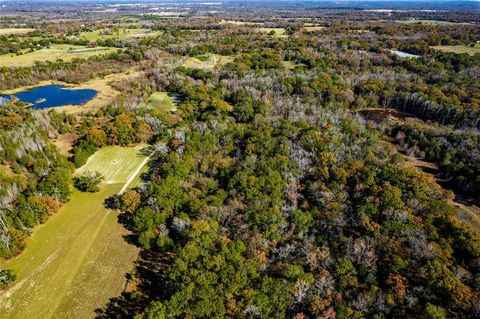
(269, 193)
(35, 178)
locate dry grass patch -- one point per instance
(207, 61)
(313, 28)
(278, 32)
(459, 49)
(10, 31)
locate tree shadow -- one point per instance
(150, 272)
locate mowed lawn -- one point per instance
(77, 260)
(116, 164)
(64, 52)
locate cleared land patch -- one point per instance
(234, 22)
(163, 101)
(116, 164)
(122, 33)
(313, 28)
(279, 32)
(9, 31)
(459, 49)
(207, 61)
(430, 22)
(55, 52)
(75, 262)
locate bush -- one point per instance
(88, 182)
(6, 277)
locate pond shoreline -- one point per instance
(105, 93)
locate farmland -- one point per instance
(79, 252)
(118, 34)
(55, 52)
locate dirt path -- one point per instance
(467, 211)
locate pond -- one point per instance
(404, 54)
(43, 97)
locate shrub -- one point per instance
(88, 182)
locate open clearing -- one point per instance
(234, 22)
(207, 61)
(459, 49)
(116, 164)
(64, 52)
(429, 22)
(163, 101)
(279, 32)
(75, 262)
(313, 28)
(10, 31)
(118, 34)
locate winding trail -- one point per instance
(467, 212)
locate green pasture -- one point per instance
(55, 52)
(77, 260)
(121, 33)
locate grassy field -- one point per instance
(313, 28)
(57, 51)
(279, 32)
(288, 65)
(163, 101)
(234, 22)
(116, 164)
(119, 34)
(459, 49)
(75, 262)
(9, 31)
(207, 61)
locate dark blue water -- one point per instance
(43, 97)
